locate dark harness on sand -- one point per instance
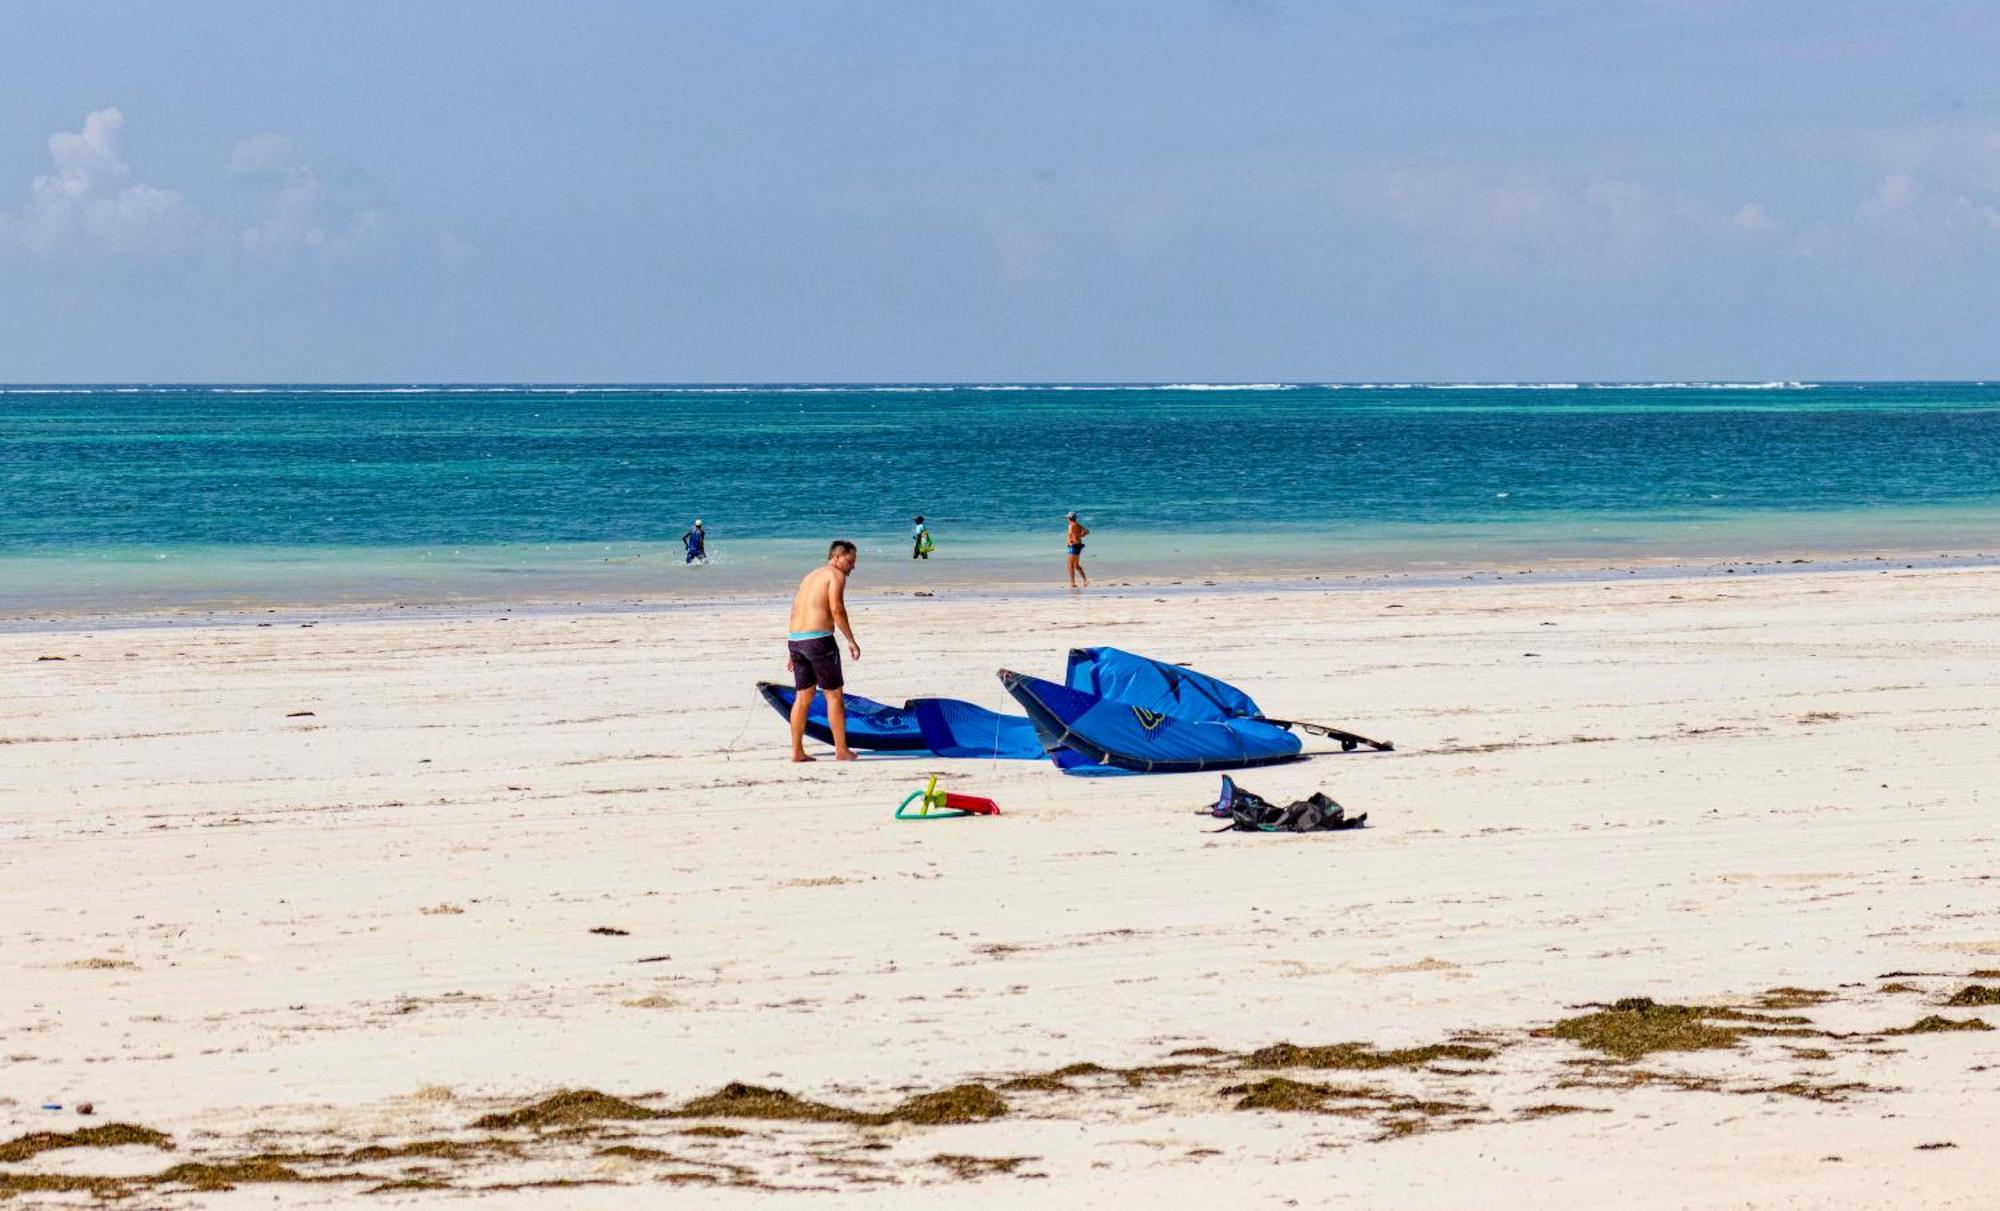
(1249, 812)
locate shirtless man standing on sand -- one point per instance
(814, 655)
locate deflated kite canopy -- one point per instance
(944, 726)
(953, 728)
(870, 724)
(1141, 738)
(1156, 685)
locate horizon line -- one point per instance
(1386, 383)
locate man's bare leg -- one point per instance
(802, 706)
(836, 717)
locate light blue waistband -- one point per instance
(802, 636)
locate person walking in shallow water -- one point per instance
(696, 542)
(1074, 538)
(813, 655)
(920, 540)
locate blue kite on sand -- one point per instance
(1144, 739)
(1115, 712)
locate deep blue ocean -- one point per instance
(111, 489)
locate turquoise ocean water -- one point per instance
(137, 496)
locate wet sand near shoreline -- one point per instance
(1677, 892)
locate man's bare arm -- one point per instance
(836, 600)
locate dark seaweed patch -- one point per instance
(1360, 1056)
(969, 1103)
(1793, 998)
(1975, 994)
(568, 1107)
(1816, 1093)
(738, 1100)
(110, 1135)
(1552, 1109)
(227, 1175)
(1940, 1025)
(1638, 1026)
(1283, 1093)
(62, 1183)
(979, 1166)
(1038, 1083)
(444, 1150)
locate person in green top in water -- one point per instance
(813, 656)
(921, 545)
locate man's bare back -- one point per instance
(819, 593)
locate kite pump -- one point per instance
(944, 805)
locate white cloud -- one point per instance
(260, 154)
(1752, 219)
(300, 214)
(1902, 207)
(1893, 196)
(86, 204)
(1518, 216)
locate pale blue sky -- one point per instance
(1156, 190)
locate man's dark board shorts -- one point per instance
(815, 662)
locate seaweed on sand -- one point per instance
(1036, 1083)
(1283, 1093)
(12, 1184)
(1935, 1024)
(1638, 1026)
(444, 1150)
(1553, 1109)
(580, 1108)
(227, 1175)
(738, 1100)
(969, 1103)
(1975, 994)
(1793, 998)
(1816, 1093)
(1621, 1074)
(1360, 1057)
(979, 1166)
(566, 1108)
(110, 1135)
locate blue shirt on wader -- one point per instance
(696, 542)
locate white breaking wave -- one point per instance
(1219, 387)
(1500, 386)
(1786, 385)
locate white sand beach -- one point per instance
(288, 893)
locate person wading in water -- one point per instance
(812, 654)
(1074, 538)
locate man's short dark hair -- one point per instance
(840, 547)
